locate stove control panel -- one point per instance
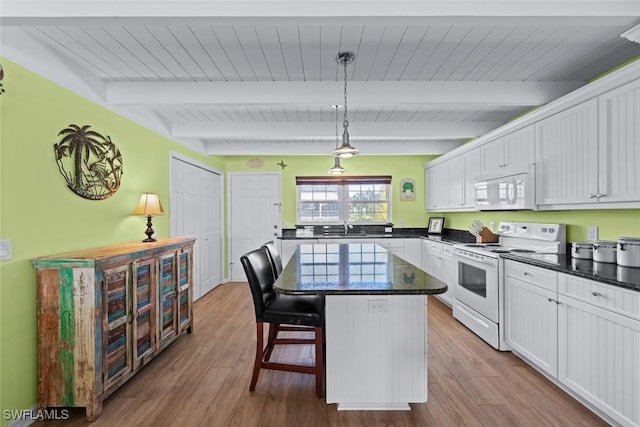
(533, 230)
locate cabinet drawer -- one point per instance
(542, 277)
(434, 246)
(618, 300)
(447, 249)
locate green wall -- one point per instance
(404, 214)
(41, 216)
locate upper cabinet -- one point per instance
(450, 184)
(585, 147)
(437, 178)
(587, 155)
(619, 148)
(509, 154)
(566, 156)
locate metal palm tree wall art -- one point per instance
(89, 162)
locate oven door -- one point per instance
(477, 283)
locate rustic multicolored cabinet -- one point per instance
(104, 313)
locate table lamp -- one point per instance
(149, 205)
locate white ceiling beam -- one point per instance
(282, 148)
(325, 130)
(331, 92)
(15, 10)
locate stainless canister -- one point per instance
(604, 251)
(582, 250)
(629, 251)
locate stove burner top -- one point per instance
(523, 251)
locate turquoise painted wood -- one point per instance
(103, 313)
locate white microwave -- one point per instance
(512, 192)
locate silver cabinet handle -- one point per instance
(526, 273)
(592, 196)
(600, 195)
(550, 299)
(595, 293)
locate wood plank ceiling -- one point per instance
(258, 77)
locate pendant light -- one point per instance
(345, 150)
(336, 169)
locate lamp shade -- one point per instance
(149, 205)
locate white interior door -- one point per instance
(254, 215)
(196, 211)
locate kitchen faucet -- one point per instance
(347, 226)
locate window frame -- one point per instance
(343, 196)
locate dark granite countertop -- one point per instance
(612, 274)
(353, 269)
(377, 232)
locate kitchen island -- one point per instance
(375, 322)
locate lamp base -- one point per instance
(149, 231)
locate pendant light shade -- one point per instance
(336, 169)
(345, 150)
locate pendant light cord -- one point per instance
(345, 124)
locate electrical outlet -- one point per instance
(592, 233)
(378, 305)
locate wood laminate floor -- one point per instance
(203, 379)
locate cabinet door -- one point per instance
(532, 323)
(598, 358)
(168, 309)
(456, 182)
(619, 154)
(491, 157)
(437, 178)
(144, 304)
(567, 156)
(117, 358)
(185, 289)
(519, 150)
(413, 251)
(471, 167)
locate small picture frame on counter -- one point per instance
(436, 224)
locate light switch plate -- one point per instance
(5, 250)
(592, 233)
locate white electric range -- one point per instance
(479, 292)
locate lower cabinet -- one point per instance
(582, 333)
(437, 261)
(599, 348)
(104, 313)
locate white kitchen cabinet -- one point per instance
(471, 170)
(531, 314)
(450, 184)
(437, 178)
(599, 349)
(395, 246)
(619, 145)
(567, 156)
(413, 251)
(509, 154)
(437, 262)
(584, 334)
